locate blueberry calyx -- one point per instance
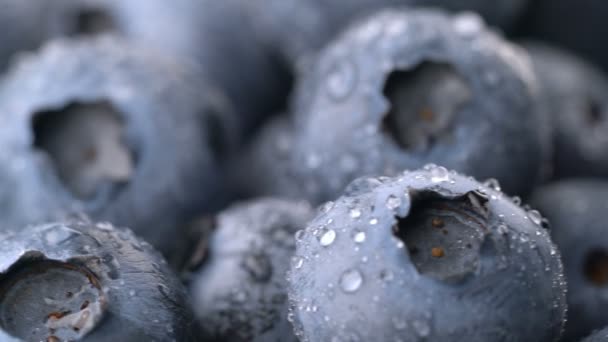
(84, 142)
(49, 300)
(443, 236)
(424, 101)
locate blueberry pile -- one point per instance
(303, 170)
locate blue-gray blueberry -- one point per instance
(405, 88)
(239, 288)
(575, 210)
(118, 132)
(79, 280)
(429, 255)
(573, 96)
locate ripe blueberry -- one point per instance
(406, 88)
(239, 290)
(81, 280)
(116, 131)
(576, 209)
(573, 96)
(428, 255)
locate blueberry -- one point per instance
(576, 209)
(372, 105)
(264, 166)
(16, 18)
(235, 56)
(80, 280)
(597, 336)
(299, 28)
(573, 93)
(290, 33)
(239, 291)
(147, 22)
(216, 35)
(120, 133)
(429, 255)
(577, 25)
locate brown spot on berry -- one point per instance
(437, 222)
(437, 252)
(58, 315)
(427, 115)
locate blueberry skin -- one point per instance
(573, 95)
(506, 285)
(339, 106)
(142, 299)
(240, 291)
(152, 23)
(16, 20)
(576, 210)
(236, 57)
(598, 336)
(165, 108)
(585, 30)
(265, 163)
(216, 35)
(298, 29)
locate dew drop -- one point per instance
(373, 221)
(351, 280)
(355, 213)
(535, 217)
(493, 184)
(327, 237)
(439, 174)
(467, 24)
(341, 80)
(393, 202)
(297, 262)
(358, 236)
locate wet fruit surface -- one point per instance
(439, 242)
(303, 170)
(64, 301)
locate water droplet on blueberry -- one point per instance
(327, 237)
(351, 280)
